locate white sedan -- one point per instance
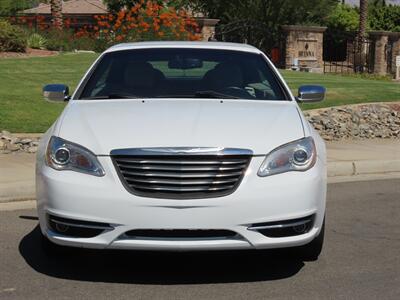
(182, 146)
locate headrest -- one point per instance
(139, 75)
(226, 75)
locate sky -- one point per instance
(356, 2)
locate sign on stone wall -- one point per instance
(306, 49)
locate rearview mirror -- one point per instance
(56, 92)
(310, 93)
(185, 63)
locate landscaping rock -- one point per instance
(25, 141)
(5, 135)
(32, 149)
(13, 147)
(2, 145)
(14, 144)
(363, 121)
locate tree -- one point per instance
(11, 7)
(56, 13)
(344, 18)
(378, 3)
(259, 21)
(114, 6)
(363, 22)
(385, 17)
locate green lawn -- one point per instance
(344, 89)
(22, 108)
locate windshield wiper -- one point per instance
(112, 96)
(213, 94)
(174, 96)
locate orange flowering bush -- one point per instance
(146, 21)
(30, 22)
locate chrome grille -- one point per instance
(181, 173)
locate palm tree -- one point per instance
(363, 21)
(56, 13)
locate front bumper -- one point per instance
(83, 197)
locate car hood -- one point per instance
(104, 125)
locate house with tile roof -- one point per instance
(80, 11)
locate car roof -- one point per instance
(180, 44)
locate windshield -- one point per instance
(182, 73)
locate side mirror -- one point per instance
(56, 92)
(311, 93)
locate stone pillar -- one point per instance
(380, 39)
(395, 49)
(304, 47)
(207, 27)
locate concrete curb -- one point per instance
(336, 170)
(20, 191)
(362, 167)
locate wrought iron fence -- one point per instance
(342, 53)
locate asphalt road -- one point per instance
(361, 260)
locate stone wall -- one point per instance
(304, 47)
(380, 39)
(395, 50)
(207, 27)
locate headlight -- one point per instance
(64, 155)
(299, 155)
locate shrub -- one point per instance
(58, 40)
(343, 18)
(12, 38)
(83, 43)
(36, 41)
(101, 44)
(145, 21)
(384, 17)
(67, 40)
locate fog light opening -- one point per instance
(61, 228)
(300, 228)
(77, 228)
(284, 228)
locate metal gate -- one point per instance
(342, 53)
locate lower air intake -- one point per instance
(181, 233)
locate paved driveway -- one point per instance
(360, 261)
